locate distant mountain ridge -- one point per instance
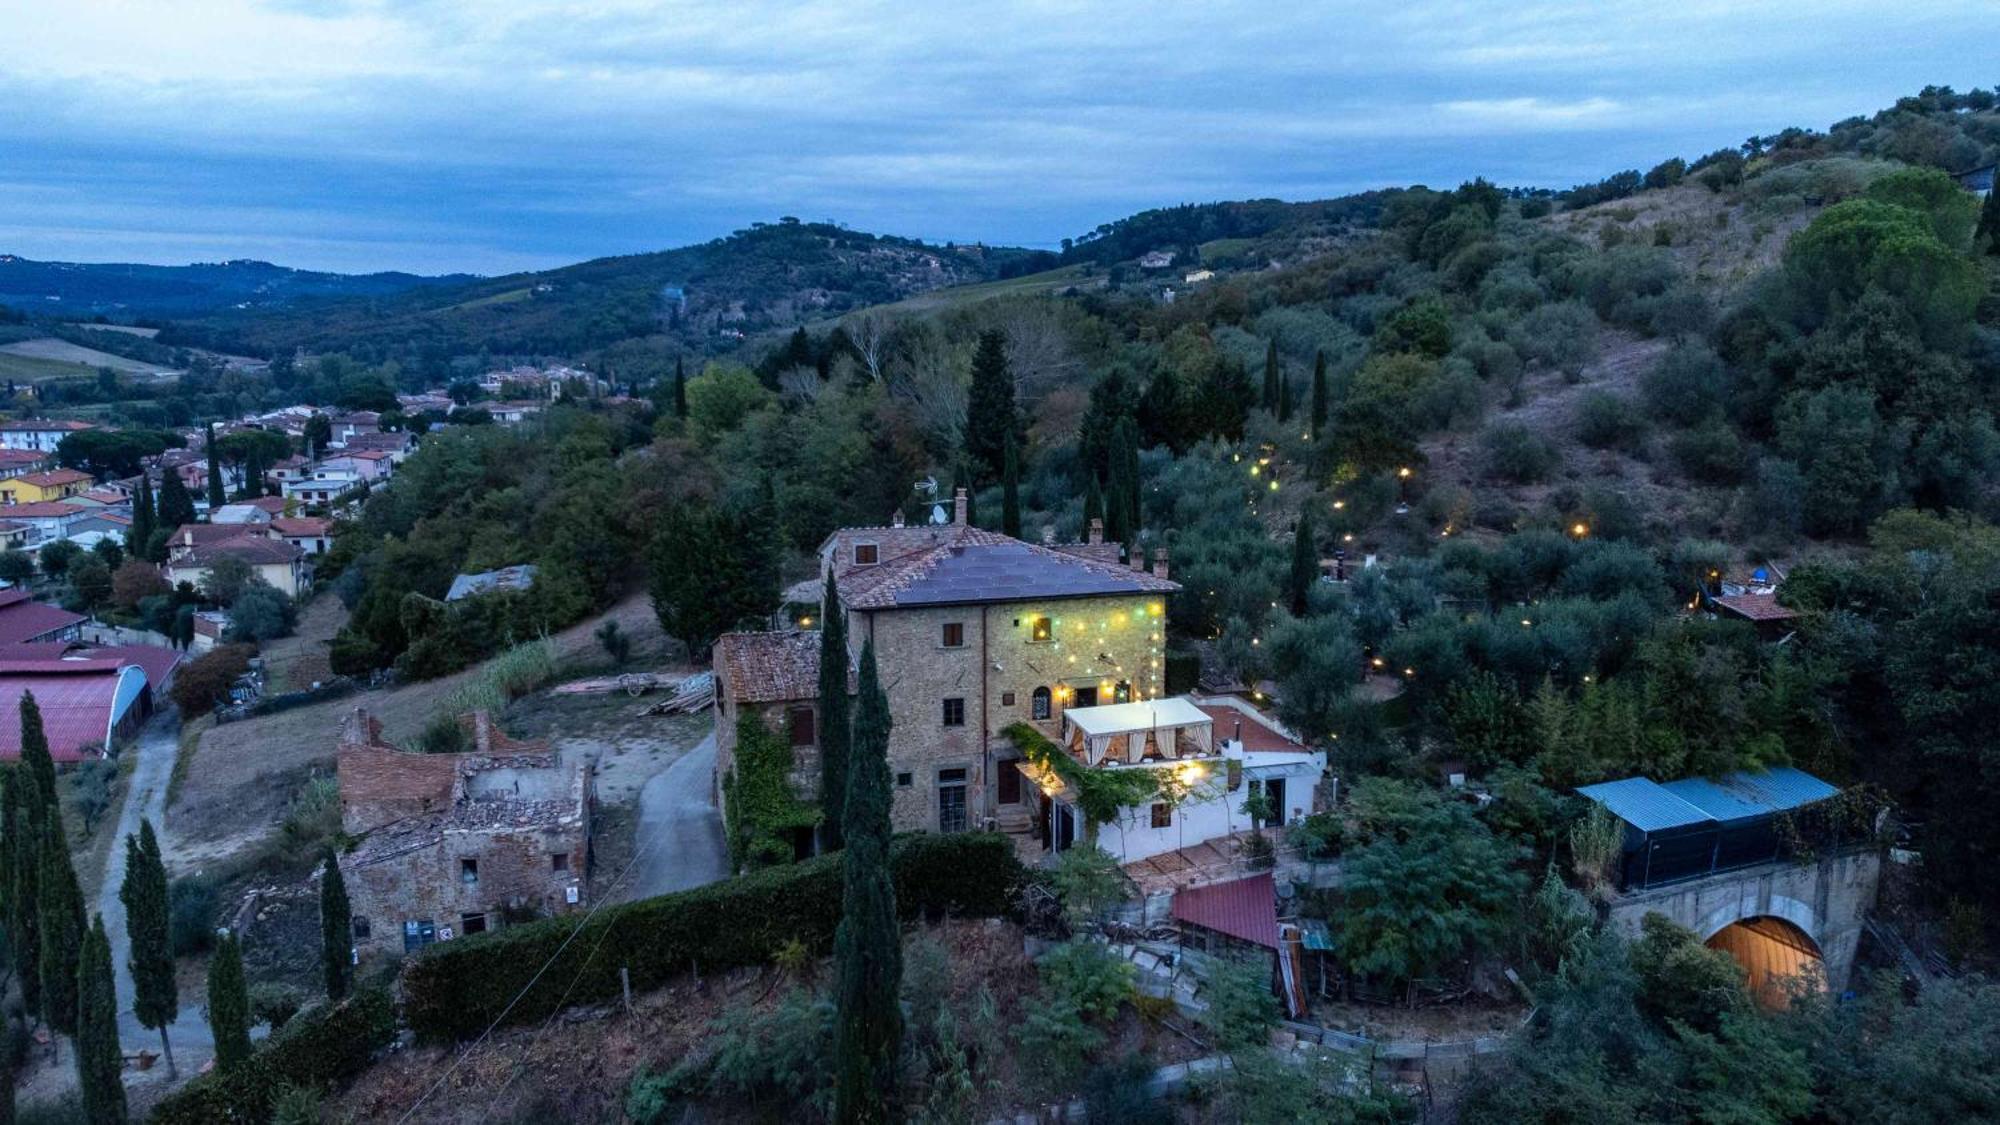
(137, 290)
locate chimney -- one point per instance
(1048, 535)
(1159, 562)
(958, 506)
(897, 519)
(1096, 531)
(1138, 558)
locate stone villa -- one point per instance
(453, 844)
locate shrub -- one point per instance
(1518, 454)
(192, 903)
(457, 989)
(1608, 421)
(205, 681)
(260, 613)
(316, 1048)
(274, 1003)
(1711, 452)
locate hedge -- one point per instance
(316, 1048)
(454, 990)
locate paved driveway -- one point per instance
(193, 1044)
(679, 833)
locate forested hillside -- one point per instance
(130, 291)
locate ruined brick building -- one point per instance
(452, 844)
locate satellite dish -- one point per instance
(938, 516)
(927, 487)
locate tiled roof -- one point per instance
(255, 550)
(973, 565)
(45, 426)
(22, 620)
(768, 667)
(1257, 732)
(301, 525)
(12, 458)
(42, 509)
(1242, 908)
(199, 534)
(54, 478)
(1755, 607)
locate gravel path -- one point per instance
(680, 830)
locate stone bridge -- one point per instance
(1824, 900)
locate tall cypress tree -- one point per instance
(680, 390)
(35, 759)
(24, 898)
(1319, 403)
(835, 710)
(156, 997)
(63, 923)
(1121, 496)
(176, 508)
(868, 946)
(1305, 565)
(1010, 490)
(336, 929)
(228, 1004)
(142, 518)
(1270, 401)
(216, 496)
(990, 416)
(99, 1061)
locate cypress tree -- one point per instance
(1987, 239)
(99, 1061)
(142, 517)
(10, 838)
(156, 997)
(216, 496)
(1121, 498)
(336, 929)
(680, 390)
(24, 905)
(228, 1004)
(40, 800)
(835, 710)
(1319, 403)
(63, 922)
(1270, 401)
(1285, 400)
(1010, 491)
(176, 507)
(1305, 565)
(1093, 502)
(990, 416)
(868, 946)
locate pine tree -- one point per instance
(62, 922)
(156, 997)
(990, 416)
(868, 954)
(216, 496)
(1319, 402)
(336, 929)
(1270, 401)
(1305, 565)
(834, 710)
(1987, 238)
(228, 1004)
(1010, 490)
(680, 390)
(176, 507)
(99, 1061)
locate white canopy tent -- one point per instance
(1121, 733)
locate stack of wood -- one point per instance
(695, 694)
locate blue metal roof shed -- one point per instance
(1696, 826)
(1747, 794)
(1645, 804)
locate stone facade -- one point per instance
(451, 844)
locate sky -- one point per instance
(437, 137)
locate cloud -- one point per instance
(435, 134)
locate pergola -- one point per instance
(1138, 732)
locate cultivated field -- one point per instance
(62, 351)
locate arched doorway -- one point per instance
(1773, 953)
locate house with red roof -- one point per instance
(52, 484)
(277, 562)
(26, 621)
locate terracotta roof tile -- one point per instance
(1755, 607)
(769, 667)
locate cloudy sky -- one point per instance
(435, 136)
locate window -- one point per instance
(1086, 697)
(800, 722)
(360, 927)
(559, 861)
(954, 712)
(954, 634)
(468, 871)
(469, 924)
(1163, 815)
(1038, 704)
(951, 800)
(864, 554)
(903, 781)
(1009, 776)
(1122, 693)
(417, 933)
(1040, 629)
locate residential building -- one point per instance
(310, 534)
(349, 426)
(38, 435)
(14, 536)
(454, 844)
(276, 561)
(242, 511)
(43, 487)
(322, 486)
(510, 413)
(14, 461)
(371, 465)
(46, 521)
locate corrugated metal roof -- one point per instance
(1644, 804)
(1747, 794)
(1242, 908)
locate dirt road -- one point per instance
(680, 829)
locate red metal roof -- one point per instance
(23, 620)
(74, 696)
(1243, 908)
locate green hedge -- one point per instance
(455, 989)
(316, 1048)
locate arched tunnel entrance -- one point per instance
(1773, 952)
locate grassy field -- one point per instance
(509, 297)
(62, 351)
(25, 367)
(1027, 284)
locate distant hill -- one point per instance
(772, 275)
(133, 291)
